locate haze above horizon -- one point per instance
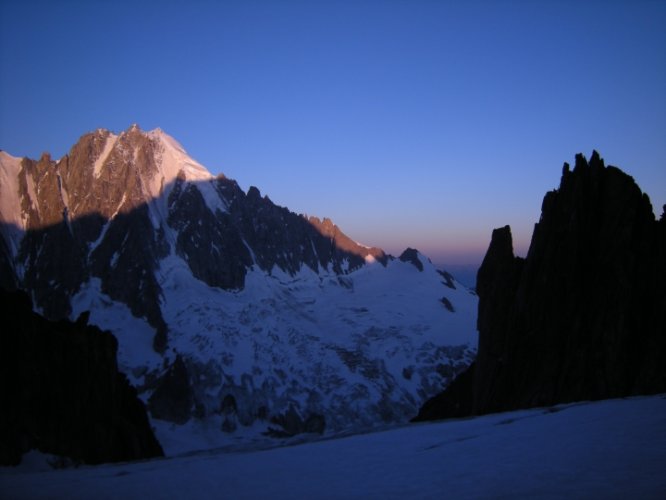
(422, 124)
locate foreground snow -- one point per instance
(608, 449)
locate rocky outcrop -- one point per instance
(61, 391)
(291, 423)
(449, 280)
(333, 245)
(210, 243)
(455, 402)
(583, 316)
(411, 255)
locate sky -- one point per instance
(408, 123)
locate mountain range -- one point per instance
(215, 318)
(236, 319)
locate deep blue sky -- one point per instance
(417, 123)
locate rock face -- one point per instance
(583, 316)
(62, 393)
(412, 255)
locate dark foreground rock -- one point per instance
(583, 316)
(61, 392)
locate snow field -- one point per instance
(605, 449)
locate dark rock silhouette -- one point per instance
(455, 402)
(449, 280)
(583, 316)
(447, 304)
(61, 391)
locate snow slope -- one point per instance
(362, 350)
(606, 449)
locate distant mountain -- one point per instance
(234, 316)
(583, 316)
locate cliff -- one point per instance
(583, 316)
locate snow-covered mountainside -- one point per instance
(606, 449)
(234, 316)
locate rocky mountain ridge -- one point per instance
(115, 205)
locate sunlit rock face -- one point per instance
(218, 295)
(583, 316)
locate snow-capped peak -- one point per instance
(171, 162)
(175, 159)
(171, 157)
(174, 162)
